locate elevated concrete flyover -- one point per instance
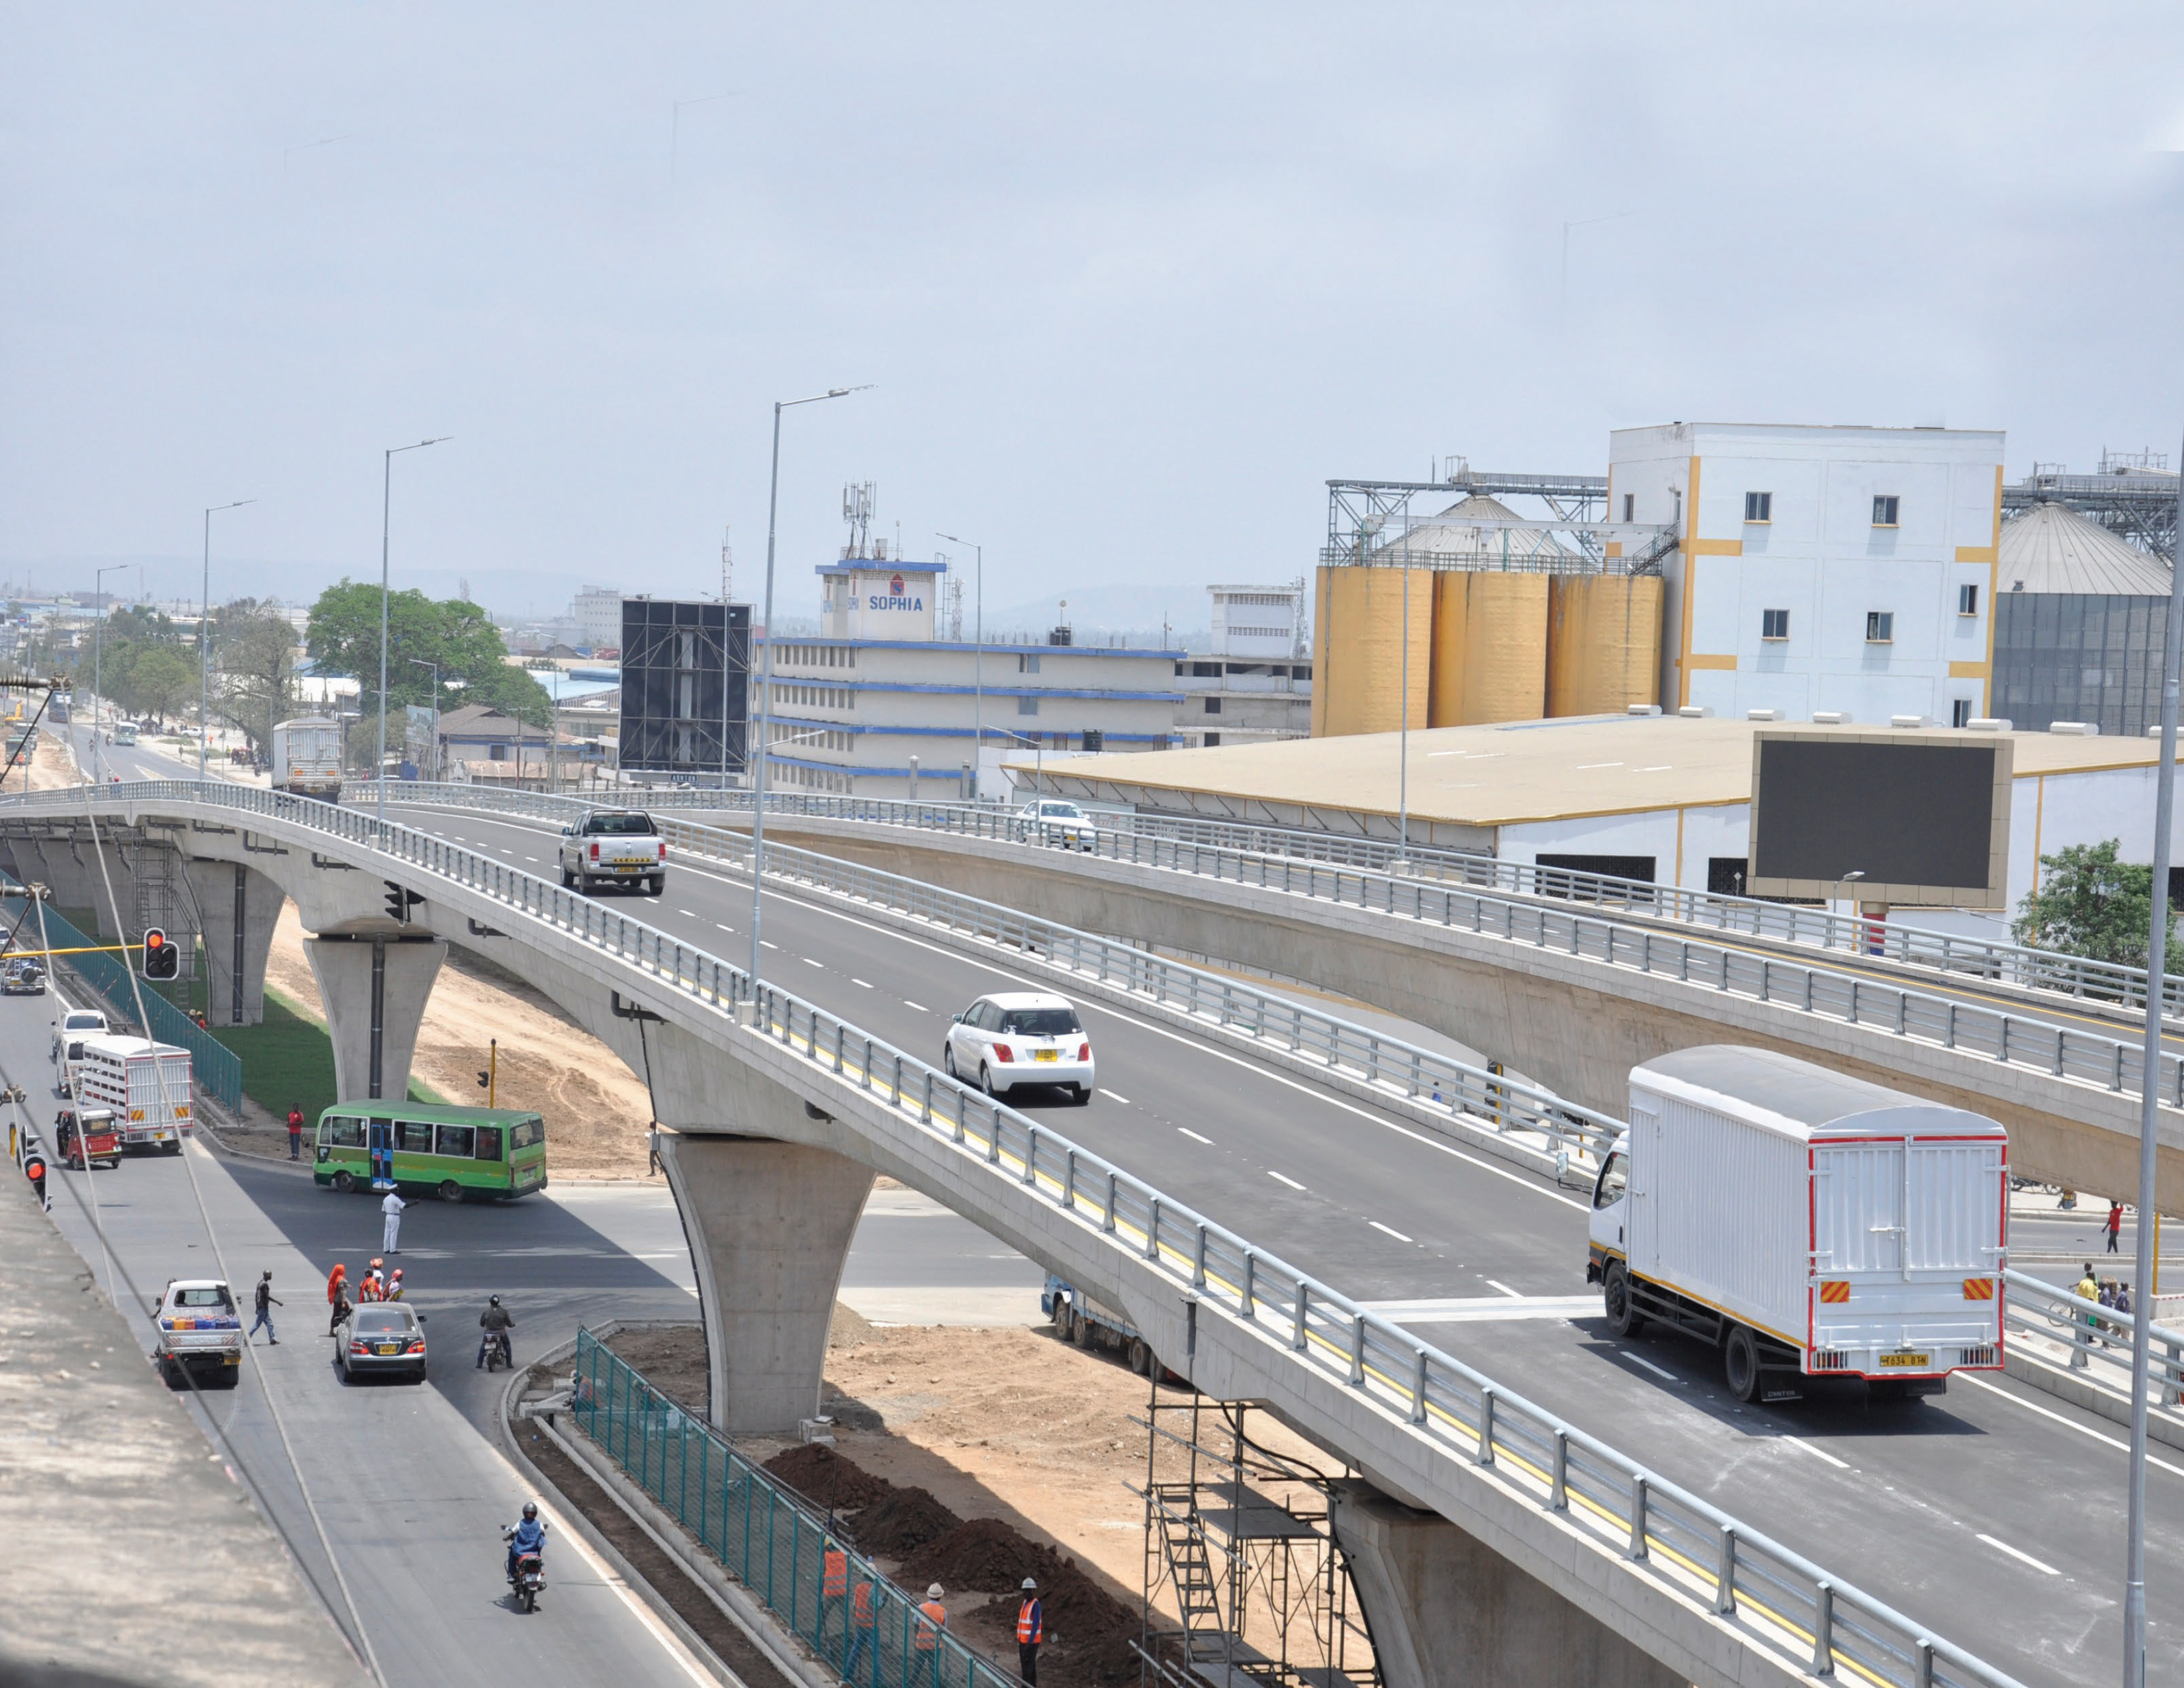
(775, 1114)
(1575, 998)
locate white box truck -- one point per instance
(1805, 1223)
(307, 757)
(146, 1084)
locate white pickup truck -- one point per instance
(611, 847)
(200, 1327)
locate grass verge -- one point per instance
(289, 1059)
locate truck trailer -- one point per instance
(307, 757)
(1805, 1223)
(146, 1084)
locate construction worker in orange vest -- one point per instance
(931, 1619)
(1031, 1630)
(864, 1629)
(834, 1589)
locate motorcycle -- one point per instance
(530, 1572)
(497, 1351)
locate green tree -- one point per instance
(254, 661)
(2090, 904)
(162, 680)
(343, 637)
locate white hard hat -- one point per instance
(1030, 1583)
(934, 1592)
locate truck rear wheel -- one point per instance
(1740, 1364)
(1141, 1358)
(1624, 1318)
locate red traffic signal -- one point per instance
(162, 959)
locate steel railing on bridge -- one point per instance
(2021, 1040)
(1780, 1599)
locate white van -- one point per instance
(75, 1025)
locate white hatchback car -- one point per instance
(1004, 1043)
(1052, 821)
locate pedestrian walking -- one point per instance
(2115, 1224)
(833, 1591)
(2088, 1288)
(931, 1619)
(391, 1207)
(336, 1296)
(295, 1131)
(393, 1291)
(864, 1629)
(266, 1301)
(1031, 1630)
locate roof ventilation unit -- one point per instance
(2075, 729)
(1832, 717)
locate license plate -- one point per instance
(1905, 1359)
(629, 867)
(389, 1348)
(1047, 1055)
(161, 1136)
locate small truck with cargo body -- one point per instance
(145, 1084)
(200, 1333)
(611, 847)
(306, 758)
(1805, 1223)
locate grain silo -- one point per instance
(1490, 648)
(1358, 637)
(1603, 642)
(2079, 615)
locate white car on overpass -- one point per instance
(1052, 821)
(1020, 1039)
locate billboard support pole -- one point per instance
(2149, 1107)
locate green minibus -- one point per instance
(417, 1148)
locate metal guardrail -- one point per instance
(214, 1066)
(2009, 964)
(1780, 1599)
(769, 1537)
(1432, 1085)
(2099, 1338)
(2010, 1039)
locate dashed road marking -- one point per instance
(859, 981)
(2000, 1547)
(809, 962)
(1816, 1453)
(1492, 1284)
(1389, 1230)
(1283, 1178)
(1113, 1097)
(1184, 1129)
(1657, 1371)
(919, 1006)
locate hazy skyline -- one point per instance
(1131, 286)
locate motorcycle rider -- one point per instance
(526, 1537)
(495, 1321)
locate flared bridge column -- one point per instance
(375, 989)
(769, 1225)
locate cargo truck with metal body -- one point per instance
(1805, 1223)
(146, 1084)
(307, 757)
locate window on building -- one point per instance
(1630, 504)
(1880, 626)
(1759, 506)
(1212, 739)
(1213, 705)
(1774, 624)
(1960, 712)
(1968, 601)
(1028, 663)
(496, 753)
(1725, 875)
(1883, 509)
(1026, 705)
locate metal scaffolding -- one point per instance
(1382, 522)
(1260, 1585)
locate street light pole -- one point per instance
(766, 678)
(386, 510)
(2142, 1300)
(98, 650)
(204, 635)
(1848, 878)
(978, 658)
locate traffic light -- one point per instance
(162, 959)
(400, 902)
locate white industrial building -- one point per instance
(1843, 569)
(596, 612)
(1253, 682)
(878, 706)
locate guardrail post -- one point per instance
(1357, 1349)
(1069, 1181)
(1637, 1548)
(1107, 1218)
(2002, 1054)
(1724, 1573)
(1247, 1292)
(1152, 1228)
(1824, 1630)
(1485, 1456)
(1558, 1488)
(1031, 1156)
(1922, 1664)
(1198, 1258)
(994, 1133)
(1296, 1334)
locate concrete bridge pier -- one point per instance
(374, 986)
(769, 1225)
(238, 908)
(1446, 1611)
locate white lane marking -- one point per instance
(1469, 1309)
(1389, 1230)
(1184, 1129)
(1582, 767)
(1816, 1453)
(1492, 1284)
(768, 944)
(1281, 1178)
(688, 914)
(533, 858)
(730, 928)
(1114, 1097)
(644, 1615)
(2000, 1547)
(1194, 1045)
(1657, 1371)
(858, 981)
(2068, 1423)
(919, 1006)
(809, 962)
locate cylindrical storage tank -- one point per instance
(1490, 648)
(1358, 649)
(1603, 643)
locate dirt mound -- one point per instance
(985, 1556)
(901, 1522)
(826, 1478)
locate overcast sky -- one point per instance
(1131, 281)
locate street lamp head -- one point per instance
(1857, 873)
